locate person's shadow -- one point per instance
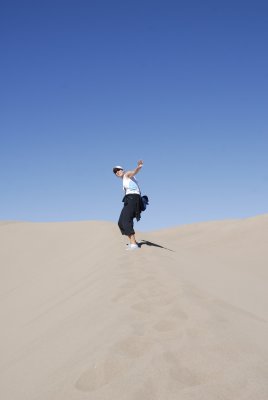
(147, 243)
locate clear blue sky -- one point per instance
(86, 85)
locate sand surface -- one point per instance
(183, 318)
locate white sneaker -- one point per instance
(132, 247)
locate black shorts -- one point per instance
(128, 213)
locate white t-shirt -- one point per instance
(130, 185)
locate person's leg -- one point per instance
(121, 222)
(132, 239)
(126, 223)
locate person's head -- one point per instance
(118, 171)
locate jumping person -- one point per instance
(132, 203)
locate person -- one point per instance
(132, 205)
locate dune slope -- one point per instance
(184, 317)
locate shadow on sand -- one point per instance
(147, 243)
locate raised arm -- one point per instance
(129, 174)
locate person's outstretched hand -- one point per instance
(140, 163)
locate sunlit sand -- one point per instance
(182, 318)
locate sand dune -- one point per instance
(184, 317)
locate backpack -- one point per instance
(144, 202)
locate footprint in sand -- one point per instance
(129, 285)
(101, 374)
(124, 290)
(117, 363)
(185, 376)
(165, 326)
(153, 300)
(132, 347)
(120, 295)
(147, 391)
(138, 328)
(143, 307)
(176, 312)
